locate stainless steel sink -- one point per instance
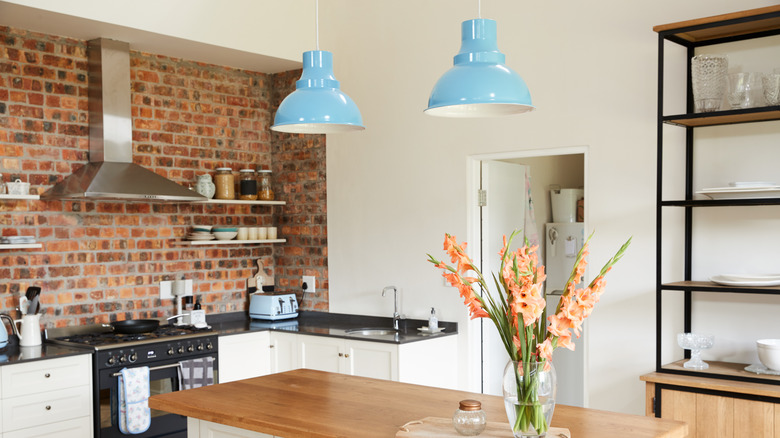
(370, 331)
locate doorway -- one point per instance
(516, 188)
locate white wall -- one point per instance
(397, 187)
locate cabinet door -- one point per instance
(76, 428)
(46, 375)
(46, 408)
(680, 406)
(715, 417)
(284, 352)
(207, 429)
(322, 353)
(371, 359)
(754, 419)
(244, 356)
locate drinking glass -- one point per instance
(771, 84)
(745, 90)
(708, 79)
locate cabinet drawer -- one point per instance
(45, 375)
(52, 406)
(76, 428)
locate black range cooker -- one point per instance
(161, 350)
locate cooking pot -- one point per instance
(4, 333)
(134, 326)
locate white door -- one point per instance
(506, 199)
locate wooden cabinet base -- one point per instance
(715, 408)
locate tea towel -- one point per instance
(134, 413)
(195, 373)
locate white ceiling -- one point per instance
(44, 21)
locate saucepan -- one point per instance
(133, 326)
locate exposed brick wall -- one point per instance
(299, 169)
(102, 260)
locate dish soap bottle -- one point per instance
(433, 322)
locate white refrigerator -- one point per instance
(563, 241)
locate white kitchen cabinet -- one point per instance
(47, 398)
(244, 356)
(206, 429)
(284, 352)
(322, 353)
(431, 362)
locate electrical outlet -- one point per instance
(165, 290)
(310, 284)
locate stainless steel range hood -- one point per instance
(110, 173)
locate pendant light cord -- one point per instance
(479, 8)
(317, 21)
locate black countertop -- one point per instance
(13, 354)
(331, 325)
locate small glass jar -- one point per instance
(265, 193)
(469, 419)
(225, 184)
(247, 185)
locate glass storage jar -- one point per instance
(469, 419)
(247, 185)
(265, 193)
(225, 184)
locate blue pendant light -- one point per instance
(479, 84)
(317, 106)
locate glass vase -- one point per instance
(529, 397)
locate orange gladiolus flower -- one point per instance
(457, 253)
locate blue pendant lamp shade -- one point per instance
(479, 84)
(317, 106)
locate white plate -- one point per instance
(761, 369)
(741, 192)
(752, 184)
(209, 237)
(746, 280)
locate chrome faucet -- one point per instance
(396, 315)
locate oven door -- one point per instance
(163, 378)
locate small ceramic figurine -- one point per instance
(205, 186)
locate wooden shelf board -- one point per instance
(707, 379)
(713, 31)
(18, 197)
(729, 117)
(714, 287)
(20, 246)
(229, 242)
(239, 201)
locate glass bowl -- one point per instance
(695, 342)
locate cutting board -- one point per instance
(433, 427)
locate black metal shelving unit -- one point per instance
(757, 23)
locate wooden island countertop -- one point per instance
(309, 403)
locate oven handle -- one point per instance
(161, 367)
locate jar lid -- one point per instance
(246, 170)
(263, 171)
(222, 169)
(470, 405)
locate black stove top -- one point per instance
(100, 337)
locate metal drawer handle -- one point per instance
(346, 355)
(341, 354)
(48, 407)
(47, 375)
(271, 346)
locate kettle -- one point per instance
(4, 333)
(30, 332)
